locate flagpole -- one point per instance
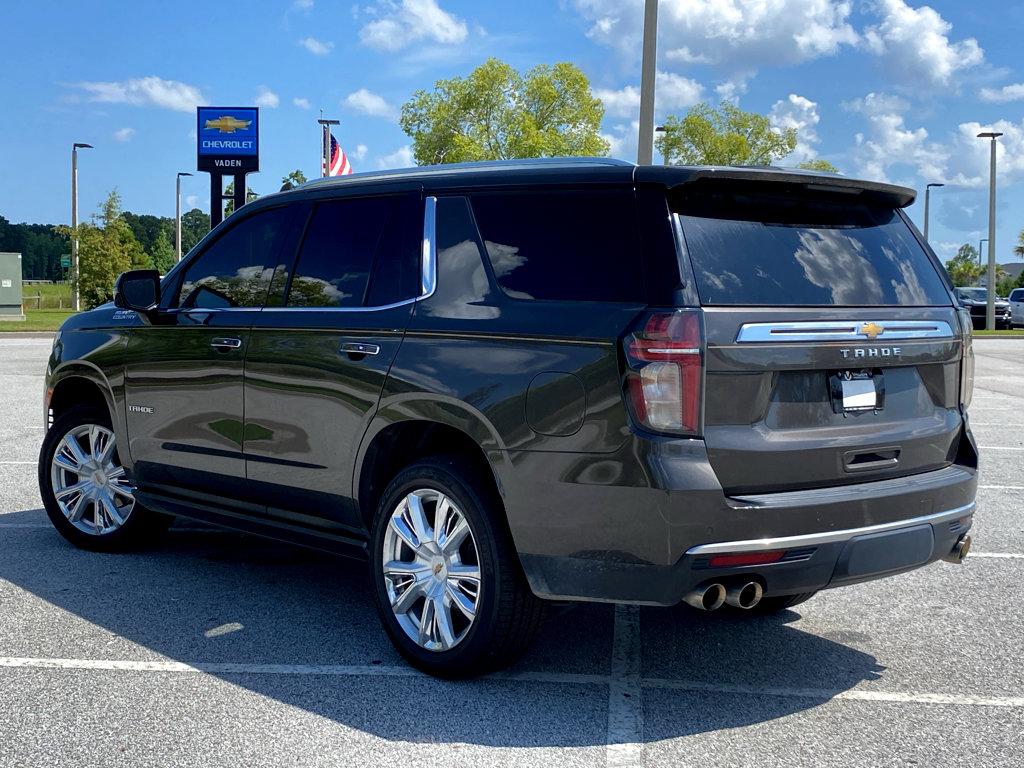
(326, 149)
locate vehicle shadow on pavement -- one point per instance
(218, 597)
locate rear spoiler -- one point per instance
(679, 176)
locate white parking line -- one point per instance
(1001, 448)
(615, 747)
(625, 698)
(18, 462)
(996, 555)
(1003, 488)
(925, 698)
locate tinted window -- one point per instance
(764, 249)
(396, 265)
(1017, 295)
(568, 245)
(235, 270)
(337, 251)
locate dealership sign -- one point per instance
(228, 139)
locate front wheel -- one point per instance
(448, 585)
(85, 489)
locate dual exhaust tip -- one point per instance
(741, 595)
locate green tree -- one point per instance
(229, 207)
(818, 165)
(963, 268)
(161, 255)
(723, 136)
(194, 226)
(1018, 249)
(147, 228)
(293, 180)
(495, 113)
(106, 248)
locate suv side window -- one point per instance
(234, 271)
(1017, 295)
(336, 257)
(568, 245)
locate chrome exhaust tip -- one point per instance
(744, 595)
(959, 552)
(706, 597)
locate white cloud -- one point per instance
(622, 140)
(969, 155)
(399, 24)
(737, 34)
(801, 114)
(890, 142)
(915, 45)
(400, 158)
(191, 201)
(733, 88)
(1014, 92)
(124, 134)
(302, 5)
(316, 47)
(266, 98)
(146, 91)
(301, 102)
(360, 152)
(369, 103)
(671, 92)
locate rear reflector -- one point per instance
(745, 559)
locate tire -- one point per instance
(91, 430)
(505, 615)
(776, 603)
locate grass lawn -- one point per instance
(36, 320)
(46, 296)
(1004, 332)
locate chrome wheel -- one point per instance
(431, 570)
(88, 481)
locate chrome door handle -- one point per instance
(359, 348)
(225, 343)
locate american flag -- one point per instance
(339, 165)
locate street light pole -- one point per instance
(927, 196)
(76, 303)
(983, 240)
(660, 129)
(990, 311)
(177, 214)
(325, 144)
(645, 142)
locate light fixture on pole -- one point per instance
(927, 196)
(990, 311)
(660, 129)
(645, 141)
(177, 214)
(76, 303)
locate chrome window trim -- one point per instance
(826, 537)
(428, 270)
(842, 331)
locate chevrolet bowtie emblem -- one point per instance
(227, 124)
(872, 330)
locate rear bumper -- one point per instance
(586, 537)
(811, 562)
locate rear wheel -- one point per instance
(448, 585)
(85, 489)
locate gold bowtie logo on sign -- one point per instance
(872, 330)
(227, 124)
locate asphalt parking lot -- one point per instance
(221, 649)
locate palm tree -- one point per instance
(1019, 248)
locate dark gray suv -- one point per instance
(506, 383)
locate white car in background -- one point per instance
(1017, 307)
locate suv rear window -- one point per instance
(764, 249)
(567, 245)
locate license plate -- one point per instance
(859, 394)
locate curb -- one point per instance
(27, 334)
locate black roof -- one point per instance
(596, 170)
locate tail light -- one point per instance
(665, 374)
(967, 361)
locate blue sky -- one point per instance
(885, 89)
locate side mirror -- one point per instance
(137, 290)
